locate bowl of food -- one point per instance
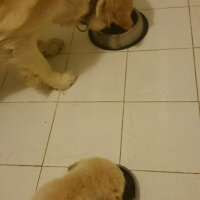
(115, 37)
(130, 185)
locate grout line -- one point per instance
(47, 143)
(32, 165)
(122, 125)
(90, 101)
(4, 80)
(194, 5)
(194, 58)
(99, 52)
(196, 101)
(134, 170)
(70, 102)
(134, 50)
(65, 67)
(70, 45)
(19, 165)
(27, 102)
(55, 166)
(39, 175)
(162, 8)
(168, 172)
(166, 49)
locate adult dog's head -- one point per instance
(111, 11)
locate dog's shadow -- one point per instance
(81, 63)
(13, 85)
(137, 188)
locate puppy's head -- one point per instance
(112, 11)
(105, 177)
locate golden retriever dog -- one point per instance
(89, 179)
(22, 21)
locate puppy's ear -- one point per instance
(116, 195)
(72, 166)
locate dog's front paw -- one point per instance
(60, 81)
(67, 80)
(51, 47)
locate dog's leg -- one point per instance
(28, 59)
(50, 47)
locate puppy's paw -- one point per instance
(51, 47)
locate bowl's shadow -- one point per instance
(137, 191)
(132, 189)
(146, 9)
(142, 4)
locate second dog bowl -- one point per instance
(130, 186)
(116, 38)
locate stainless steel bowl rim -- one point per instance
(126, 32)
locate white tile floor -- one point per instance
(138, 107)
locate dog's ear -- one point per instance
(100, 7)
(121, 13)
(117, 11)
(72, 166)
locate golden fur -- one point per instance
(90, 179)
(22, 21)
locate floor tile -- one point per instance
(18, 183)
(101, 79)
(24, 132)
(148, 4)
(166, 75)
(164, 24)
(84, 130)
(160, 140)
(162, 137)
(197, 62)
(167, 186)
(59, 32)
(14, 89)
(194, 2)
(50, 173)
(195, 16)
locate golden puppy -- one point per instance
(90, 179)
(22, 21)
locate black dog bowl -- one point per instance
(130, 187)
(116, 38)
